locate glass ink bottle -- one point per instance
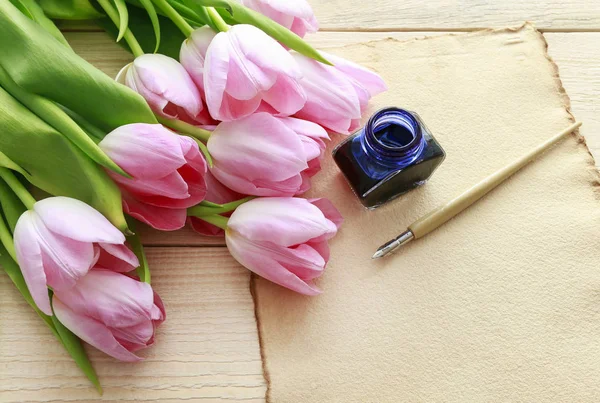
(393, 154)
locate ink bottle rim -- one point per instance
(393, 155)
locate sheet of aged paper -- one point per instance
(500, 304)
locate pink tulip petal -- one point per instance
(302, 260)
(322, 248)
(118, 258)
(160, 218)
(259, 187)
(329, 210)
(193, 53)
(294, 15)
(172, 186)
(65, 260)
(332, 98)
(249, 147)
(296, 8)
(327, 89)
(219, 193)
(216, 67)
(263, 51)
(92, 332)
(156, 102)
(286, 96)
(195, 190)
(306, 184)
(284, 221)
(139, 334)
(112, 298)
(166, 78)
(204, 228)
(302, 27)
(261, 262)
(29, 257)
(234, 109)
(158, 314)
(74, 219)
(368, 79)
(146, 151)
(245, 80)
(305, 128)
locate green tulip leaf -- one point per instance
(141, 26)
(76, 350)
(143, 271)
(123, 17)
(200, 12)
(149, 7)
(69, 9)
(11, 206)
(41, 65)
(34, 12)
(51, 162)
(56, 117)
(6, 162)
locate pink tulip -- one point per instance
(284, 239)
(244, 67)
(167, 87)
(216, 193)
(60, 240)
(261, 155)
(338, 95)
(113, 312)
(297, 15)
(168, 173)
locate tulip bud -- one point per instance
(244, 67)
(297, 15)
(60, 240)
(113, 312)
(167, 87)
(284, 239)
(168, 173)
(261, 156)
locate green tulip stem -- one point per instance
(113, 14)
(216, 220)
(217, 20)
(185, 128)
(6, 239)
(203, 210)
(17, 187)
(174, 16)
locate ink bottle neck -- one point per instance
(393, 137)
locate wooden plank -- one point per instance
(207, 350)
(460, 15)
(443, 15)
(577, 56)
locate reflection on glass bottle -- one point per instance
(391, 155)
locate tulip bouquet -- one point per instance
(221, 124)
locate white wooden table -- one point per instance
(208, 350)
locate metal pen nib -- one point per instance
(394, 244)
